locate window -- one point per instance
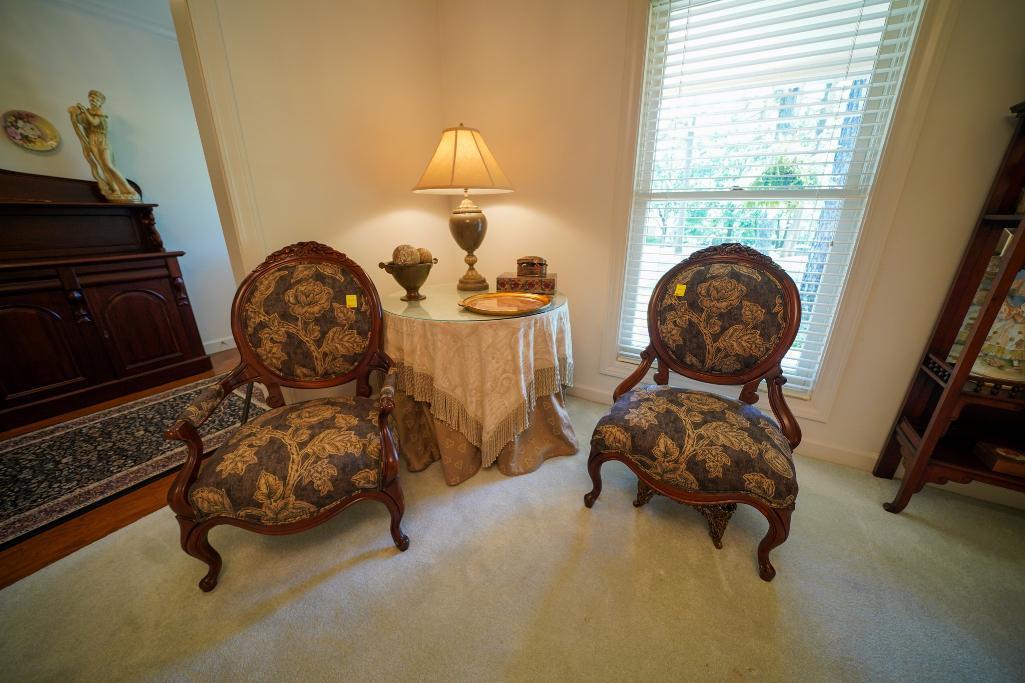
(762, 122)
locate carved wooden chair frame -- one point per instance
(194, 533)
(717, 508)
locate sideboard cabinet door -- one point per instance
(141, 325)
(44, 351)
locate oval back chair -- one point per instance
(310, 318)
(726, 315)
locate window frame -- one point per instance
(881, 205)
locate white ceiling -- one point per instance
(154, 15)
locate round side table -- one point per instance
(476, 390)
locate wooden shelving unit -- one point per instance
(948, 409)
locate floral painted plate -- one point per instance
(30, 131)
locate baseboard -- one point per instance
(859, 460)
(591, 394)
(215, 345)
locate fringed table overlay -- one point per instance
(477, 390)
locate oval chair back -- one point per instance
(725, 315)
(309, 317)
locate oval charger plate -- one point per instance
(30, 131)
(506, 303)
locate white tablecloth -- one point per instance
(482, 377)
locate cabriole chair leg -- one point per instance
(395, 503)
(594, 462)
(779, 529)
(200, 548)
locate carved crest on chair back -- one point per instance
(726, 315)
(308, 316)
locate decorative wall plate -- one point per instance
(30, 131)
(506, 303)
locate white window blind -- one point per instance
(762, 122)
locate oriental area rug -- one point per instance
(54, 473)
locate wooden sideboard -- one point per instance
(91, 305)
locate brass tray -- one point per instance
(506, 303)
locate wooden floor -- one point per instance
(36, 552)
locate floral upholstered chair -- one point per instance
(309, 318)
(726, 315)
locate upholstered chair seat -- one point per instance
(701, 442)
(293, 462)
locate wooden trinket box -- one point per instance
(510, 282)
(531, 266)
(1001, 458)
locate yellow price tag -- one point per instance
(680, 290)
(350, 301)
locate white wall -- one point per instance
(53, 53)
(550, 85)
(337, 108)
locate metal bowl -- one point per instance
(410, 277)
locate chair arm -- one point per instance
(787, 422)
(387, 399)
(178, 493)
(201, 408)
(186, 428)
(390, 463)
(647, 358)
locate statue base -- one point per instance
(123, 198)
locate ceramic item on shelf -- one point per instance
(978, 301)
(91, 126)
(410, 276)
(506, 303)
(1004, 349)
(425, 255)
(30, 131)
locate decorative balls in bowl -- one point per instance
(410, 267)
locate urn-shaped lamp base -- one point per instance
(468, 226)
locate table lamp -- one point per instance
(464, 165)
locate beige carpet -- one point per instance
(512, 579)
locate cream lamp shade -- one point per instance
(462, 164)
